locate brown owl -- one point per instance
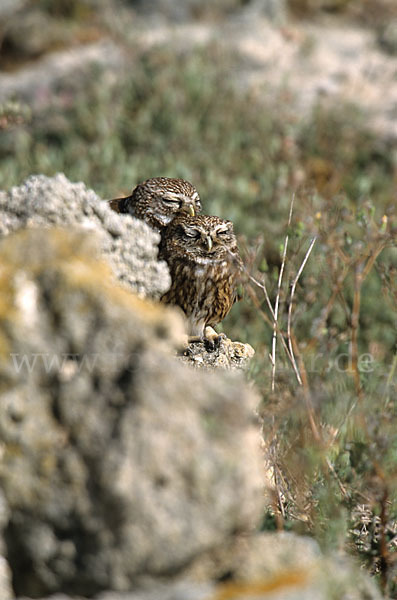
(158, 200)
(205, 267)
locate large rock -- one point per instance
(191, 9)
(270, 566)
(129, 245)
(118, 462)
(284, 566)
(9, 8)
(180, 11)
(43, 83)
(30, 33)
(304, 62)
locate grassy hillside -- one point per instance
(332, 435)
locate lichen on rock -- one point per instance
(117, 460)
(129, 245)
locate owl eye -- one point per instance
(223, 232)
(170, 201)
(191, 233)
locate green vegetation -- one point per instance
(333, 438)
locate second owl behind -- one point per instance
(158, 200)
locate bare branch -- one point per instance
(358, 280)
(269, 322)
(263, 288)
(277, 303)
(294, 284)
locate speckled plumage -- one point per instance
(158, 200)
(205, 266)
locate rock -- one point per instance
(47, 80)
(279, 566)
(229, 355)
(311, 63)
(189, 9)
(180, 590)
(123, 470)
(387, 37)
(30, 33)
(274, 10)
(270, 566)
(292, 567)
(6, 592)
(9, 8)
(129, 245)
(193, 9)
(118, 462)
(318, 64)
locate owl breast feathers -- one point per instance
(205, 267)
(159, 200)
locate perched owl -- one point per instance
(205, 267)
(158, 200)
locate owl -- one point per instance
(205, 267)
(158, 200)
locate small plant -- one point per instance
(329, 416)
(13, 113)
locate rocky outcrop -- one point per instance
(305, 60)
(191, 9)
(125, 473)
(265, 566)
(129, 245)
(118, 462)
(64, 71)
(10, 7)
(227, 355)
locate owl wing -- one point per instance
(239, 266)
(239, 295)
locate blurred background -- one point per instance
(254, 102)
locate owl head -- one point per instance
(201, 238)
(158, 200)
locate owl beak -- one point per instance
(191, 210)
(209, 242)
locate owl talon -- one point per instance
(213, 344)
(221, 337)
(194, 339)
(212, 339)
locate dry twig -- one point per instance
(277, 303)
(294, 284)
